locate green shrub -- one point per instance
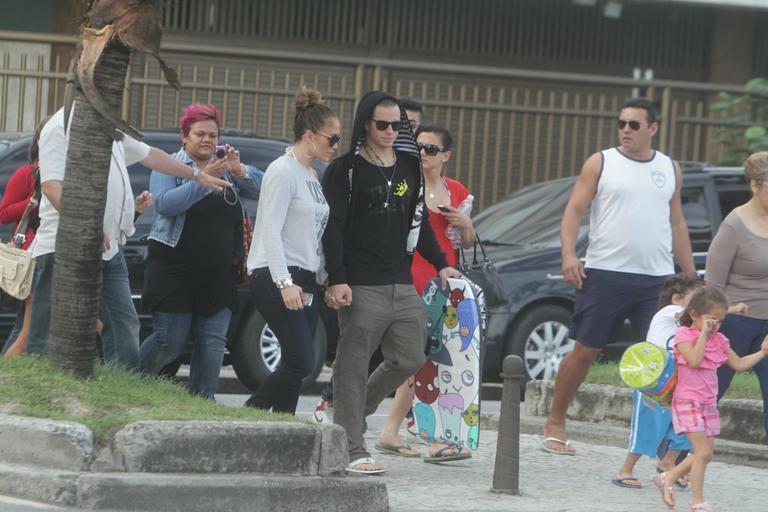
(744, 116)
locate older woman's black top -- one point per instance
(196, 276)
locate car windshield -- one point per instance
(530, 217)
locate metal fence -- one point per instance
(512, 127)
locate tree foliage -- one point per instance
(743, 131)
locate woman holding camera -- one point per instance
(286, 256)
(196, 234)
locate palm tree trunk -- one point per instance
(77, 269)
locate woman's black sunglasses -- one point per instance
(429, 149)
(332, 139)
(633, 125)
(382, 125)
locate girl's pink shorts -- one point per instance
(693, 416)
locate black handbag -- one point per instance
(483, 273)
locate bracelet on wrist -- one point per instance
(284, 283)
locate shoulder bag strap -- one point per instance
(482, 247)
(21, 227)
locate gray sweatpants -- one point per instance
(388, 315)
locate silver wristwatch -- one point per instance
(195, 172)
(284, 283)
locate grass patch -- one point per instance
(30, 386)
(744, 384)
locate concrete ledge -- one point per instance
(193, 466)
(334, 453)
(233, 493)
(740, 420)
(219, 447)
(45, 443)
(49, 486)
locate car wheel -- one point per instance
(541, 339)
(256, 353)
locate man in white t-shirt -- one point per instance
(120, 335)
(636, 226)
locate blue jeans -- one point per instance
(296, 331)
(172, 330)
(746, 335)
(120, 336)
(17, 325)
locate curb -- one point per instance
(56, 444)
(740, 420)
(234, 493)
(220, 447)
(46, 485)
(194, 466)
(731, 452)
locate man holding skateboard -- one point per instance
(636, 226)
(375, 195)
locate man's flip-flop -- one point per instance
(440, 455)
(629, 482)
(398, 450)
(352, 468)
(559, 441)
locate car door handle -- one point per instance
(135, 256)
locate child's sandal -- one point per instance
(701, 506)
(667, 491)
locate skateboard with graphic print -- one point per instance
(446, 405)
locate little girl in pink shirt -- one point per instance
(699, 351)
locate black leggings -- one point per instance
(296, 332)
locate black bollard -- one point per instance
(506, 471)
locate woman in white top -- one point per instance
(286, 253)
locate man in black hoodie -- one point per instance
(375, 194)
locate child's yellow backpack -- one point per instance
(649, 369)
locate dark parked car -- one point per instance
(252, 348)
(521, 233)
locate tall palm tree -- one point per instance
(95, 89)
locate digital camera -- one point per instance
(220, 152)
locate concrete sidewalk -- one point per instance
(549, 482)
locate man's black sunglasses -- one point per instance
(382, 125)
(332, 139)
(429, 149)
(633, 125)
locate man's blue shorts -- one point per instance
(651, 424)
(607, 298)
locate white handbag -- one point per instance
(17, 267)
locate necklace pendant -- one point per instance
(386, 204)
(389, 184)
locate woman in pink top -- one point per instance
(699, 351)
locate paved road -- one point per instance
(551, 483)
(556, 483)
